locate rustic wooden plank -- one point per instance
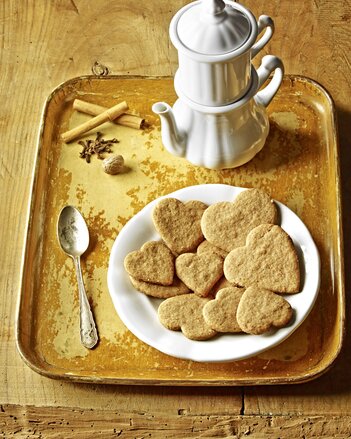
(21, 384)
(53, 423)
(44, 43)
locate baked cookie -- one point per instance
(199, 272)
(206, 246)
(222, 283)
(179, 224)
(220, 313)
(197, 207)
(226, 224)
(154, 263)
(160, 291)
(268, 259)
(185, 313)
(259, 310)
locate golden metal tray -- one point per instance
(298, 166)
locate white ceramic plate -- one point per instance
(139, 312)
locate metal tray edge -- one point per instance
(137, 381)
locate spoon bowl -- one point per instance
(73, 236)
(73, 233)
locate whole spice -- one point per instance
(110, 114)
(113, 165)
(97, 146)
(128, 120)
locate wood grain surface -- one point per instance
(44, 43)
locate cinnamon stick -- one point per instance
(127, 120)
(109, 114)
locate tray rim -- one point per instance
(296, 379)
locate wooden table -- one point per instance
(47, 42)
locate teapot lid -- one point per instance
(213, 27)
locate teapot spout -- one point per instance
(172, 139)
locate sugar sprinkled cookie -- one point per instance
(220, 313)
(179, 224)
(199, 272)
(185, 313)
(160, 291)
(154, 262)
(260, 310)
(268, 259)
(226, 224)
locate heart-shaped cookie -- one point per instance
(179, 224)
(206, 246)
(268, 259)
(196, 207)
(160, 291)
(226, 224)
(199, 272)
(153, 263)
(220, 313)
(260, 309)
(185, 313)
(222, 283)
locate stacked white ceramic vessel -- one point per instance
(217, 84)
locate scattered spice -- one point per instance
(113, 165)
(97, 146)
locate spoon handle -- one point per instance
(88, 332)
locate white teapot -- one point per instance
(219, 120)
(226, 136)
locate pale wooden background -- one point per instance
(44, 43)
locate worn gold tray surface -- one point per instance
(298, 166)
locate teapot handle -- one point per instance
(269, 64)
(264, 21)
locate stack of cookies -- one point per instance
(220, 269)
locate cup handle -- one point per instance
(269, 64)
(264, 21)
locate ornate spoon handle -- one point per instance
(88, 332)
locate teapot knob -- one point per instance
(213, 7)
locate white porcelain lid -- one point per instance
(213, 27)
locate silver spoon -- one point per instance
(73, 235)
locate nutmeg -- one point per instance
(113, 164)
